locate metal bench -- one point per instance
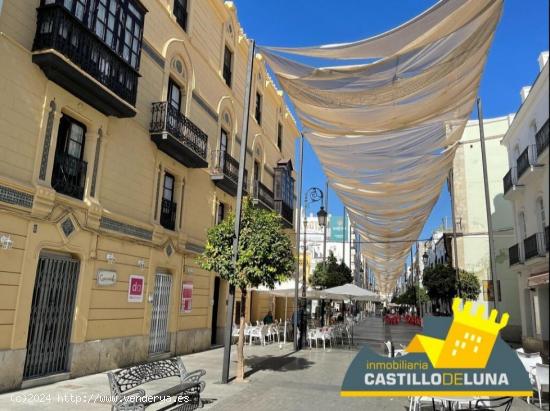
(185, 395)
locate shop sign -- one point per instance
(136, 288)
(106, 278)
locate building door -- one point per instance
(174, 95)
(224, 149)
(215, 306)
(158, 336)
(52, 311)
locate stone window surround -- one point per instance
(178, 194)
(94, 148)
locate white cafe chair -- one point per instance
(541, 380)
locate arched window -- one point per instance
(225, 132)
(541, 215)
(177, 83)
(224, 144)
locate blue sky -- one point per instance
(512, 63)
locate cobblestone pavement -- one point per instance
(277, 379)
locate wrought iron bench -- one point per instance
(185, 395)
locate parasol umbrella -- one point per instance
(350, 292)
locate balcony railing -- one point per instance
(542, 138)
(69, 175)
(523, 162)
(59, 30)
(263, 194)
(226, 165)
(510, 179)
(514, 254)
(286, 211)
(191, 143)
(527, 159)
(168, 214)
(534, 246)
(225, 172)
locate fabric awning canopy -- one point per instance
(386, 132)
(349, 292)
(286, 289)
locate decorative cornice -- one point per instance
(194, 248)
(16, 197)
(107, 223)
(206, 107)
(151, 52)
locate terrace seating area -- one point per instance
(394, 319)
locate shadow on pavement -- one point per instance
(275, 363)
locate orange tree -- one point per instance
(265, 257)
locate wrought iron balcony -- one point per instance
(523, 162)
(527, 160)
(534, 246)
(69, 175)
(286, 211)
(510, 180)
(168, 214)
(542, 139)
(177, 136)
(225, 172)
(60, 36)
(263, 195)
(514, 255)
(283, 188)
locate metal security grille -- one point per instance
(51, 318)
(158, 338)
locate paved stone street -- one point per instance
(278, 379)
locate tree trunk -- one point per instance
(240, 345)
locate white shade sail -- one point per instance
(386, 132)
(311, 293)
(349, 292)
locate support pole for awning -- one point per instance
(286, 304)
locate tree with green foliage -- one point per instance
(413, 295)
(470, 286)
(331, 274)
(441, 283)
(265, 257)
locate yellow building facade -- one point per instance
(120, 130)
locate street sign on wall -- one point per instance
(105, 277)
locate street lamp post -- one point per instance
(311, 196)
(425, 259)
(326, 224)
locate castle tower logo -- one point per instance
(462, 356)
(469, 342)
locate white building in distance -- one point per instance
(340, 240)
